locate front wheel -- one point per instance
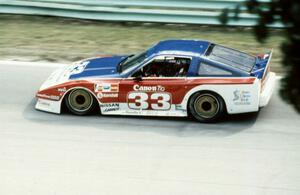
(80, 102)
(206, 106)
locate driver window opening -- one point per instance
(168, 67)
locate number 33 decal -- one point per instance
(144, 101)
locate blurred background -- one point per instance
(69, 30)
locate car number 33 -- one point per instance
(145, 101)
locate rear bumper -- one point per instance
(267, 90)
(48, 105)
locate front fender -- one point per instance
(51, 99)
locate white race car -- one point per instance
(173, 78)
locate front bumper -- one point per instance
(48, 105)
(267, 90)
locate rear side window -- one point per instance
(231, 57)
(209, 70)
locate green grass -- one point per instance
(36, 38)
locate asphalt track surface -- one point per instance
(49, 154)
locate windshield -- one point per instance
(231, 57)
(133, 61)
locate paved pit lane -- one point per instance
(49, 154)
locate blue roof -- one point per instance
(193, 46)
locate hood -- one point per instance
(95, 67)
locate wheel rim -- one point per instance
(206, 106)
(80, 100)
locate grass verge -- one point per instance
(37, 38)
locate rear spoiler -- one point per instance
(262, 65)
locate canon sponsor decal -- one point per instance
(149, 88)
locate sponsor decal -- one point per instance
(41, 102)
(110, 107)
(101, 95)
(106, 87)
(179, 107)
(78, 68)
(241, 97)
(149, 88)
(52, 97)
(64, 89)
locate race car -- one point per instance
(177, 78)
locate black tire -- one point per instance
(80, 102)
(206, 106)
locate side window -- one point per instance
(168, 67)
(207, 70)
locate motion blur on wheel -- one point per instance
(173, 78)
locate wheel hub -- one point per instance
(206, 106)
(80, 100)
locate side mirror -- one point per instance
(138, 78)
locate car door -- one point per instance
(153, 94)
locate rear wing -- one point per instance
(262, 65)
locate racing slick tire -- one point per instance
(80, 102)
(206, 106)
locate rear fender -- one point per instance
(239, 98)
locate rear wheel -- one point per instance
(206, 106)
(80, 102)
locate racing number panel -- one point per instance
(149, 95)
(149, 101)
